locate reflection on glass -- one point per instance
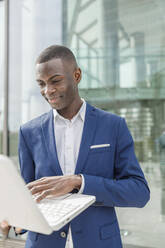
(1, 70)
(34, 26)
(122, 62)
(120, 48)
(161, 144)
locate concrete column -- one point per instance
(65, 5)
(15, 64)
(110, 42)
(138, 49)
(152, 69)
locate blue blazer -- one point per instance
(111, 173)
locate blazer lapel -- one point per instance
(87, 137)
(49, 138)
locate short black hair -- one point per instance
(56, 51)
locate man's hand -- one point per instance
(54, 186)
(5, 228)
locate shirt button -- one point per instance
(63, 234)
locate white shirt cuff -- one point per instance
(82, 185)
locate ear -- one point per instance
(77, 75)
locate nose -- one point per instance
(49, 90)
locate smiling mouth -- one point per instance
(54, 99)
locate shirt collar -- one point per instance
(81, 113)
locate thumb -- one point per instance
(5, 227)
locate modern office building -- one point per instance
(120, 47)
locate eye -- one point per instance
(41, 84)
(56, 81)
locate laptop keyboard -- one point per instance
(54, 210)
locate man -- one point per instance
(77, 146)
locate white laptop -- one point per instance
(18, 207)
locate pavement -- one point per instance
(145, 227)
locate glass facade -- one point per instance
(31, 30)
(1, 72)
(119, 46)
(120, 50)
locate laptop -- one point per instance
(19, 208)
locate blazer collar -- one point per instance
(87, 137)
(86, 141)
(49, 138)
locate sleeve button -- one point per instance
(63, 234)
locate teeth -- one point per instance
(52, 100)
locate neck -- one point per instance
(72, 110)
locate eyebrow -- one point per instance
(55, 75)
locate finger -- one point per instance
(40, 188)
(4, 223)
(44, 194)
(5, 227)
(36, 183)
(48, 179)
(43, 181)
(18, 230)
(32, 184)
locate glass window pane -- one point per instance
(120, 48)
(34, 25)
(1, 71)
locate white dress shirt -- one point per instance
(68, 134)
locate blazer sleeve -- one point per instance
(25, 159)
(26, 164)
(129, 187)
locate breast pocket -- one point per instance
(100, 162)
(100, 149)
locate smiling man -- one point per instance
(77, 147)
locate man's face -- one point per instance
(58, 81)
